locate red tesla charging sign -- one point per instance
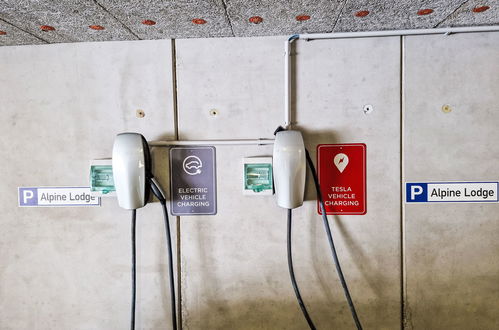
(342, 177)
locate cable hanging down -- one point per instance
(331, 243)
(170, 267)
(292, 275)
(156, 189)
(134, 267)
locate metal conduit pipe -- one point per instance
(235, 142)
(364, 34)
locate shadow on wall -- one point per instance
(312, 139)
(269, 314)
(274, 315)
(365, 265)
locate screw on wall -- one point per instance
(368, 109)
(446, 108)
(140, 113)
(213, 112)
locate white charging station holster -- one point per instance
(289, 165)
(130, 166)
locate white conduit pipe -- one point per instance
(365, 34)
(236, 142)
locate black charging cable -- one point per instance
(134, 267)
(156, 189)
(290, 262)
(292, 275)
(331, 243)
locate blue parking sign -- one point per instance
(452, 192)
(28, 196)
(416, 192)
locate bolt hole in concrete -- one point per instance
(368, 109)
(140, 113)
(446, 108)
(213, 112)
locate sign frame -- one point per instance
(214, 182)
(421, 184)
(364, 177)
(23, 204)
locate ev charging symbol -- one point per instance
(192, 165)
(28, 196)
(416, 192)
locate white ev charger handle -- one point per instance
(289, 166)
(131, 170)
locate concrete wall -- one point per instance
(68, 268)
(452, 250)
(241, 253)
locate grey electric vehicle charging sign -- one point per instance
(193, 181)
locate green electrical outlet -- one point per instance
(101, 177)
(258, 176)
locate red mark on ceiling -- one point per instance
(2, 33)
(362, 13)
(198, 21)
(256, 19)
(480, 9)
(148, 22)
(47, 28)
(302, 18)
(423, 12)
(96, 27)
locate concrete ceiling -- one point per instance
(49, 21)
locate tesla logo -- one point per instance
(341, 162)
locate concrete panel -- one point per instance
(10, 36)
(70, 19)
(173, 18)
(279, 18)
(473, 12)
(452, 249)
(394, 15)
(69, 268)
(228, 76)
(234, 270)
